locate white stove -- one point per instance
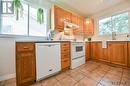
(77, 54)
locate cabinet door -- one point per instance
(80, 24)
(102, 53)
(94, 50)
(25, 67)
(88, 26)
(118, 53)
(67, 16)
(74, 19)
(88, 51)
(128, 54)
(59, 18)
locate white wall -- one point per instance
(7, 46)
(7, 58)
(7, 55)
(107, 12)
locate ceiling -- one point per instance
(88, 7)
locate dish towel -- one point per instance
(104, 44)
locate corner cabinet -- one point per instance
(117, 52)
(65, 55)
(88, 26)
(25, 63)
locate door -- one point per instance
(117, 52)
(48, 59)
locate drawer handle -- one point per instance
(25, 47)
(65, 60)
(50, 69)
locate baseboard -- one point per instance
(6, 77)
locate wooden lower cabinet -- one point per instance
(117, 52)
(25, 63)
(102, 53)
(99, 53)
(129, 54)
(88, 50)
(65, 55)
(94, 50)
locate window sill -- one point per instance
(19, 36)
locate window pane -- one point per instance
(105, 26)
(15, 27)
(120, 23)
(35, 28)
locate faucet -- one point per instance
(113, 35)
(128, 36)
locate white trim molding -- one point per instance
(6, 77)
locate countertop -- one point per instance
(73, 42)
(111, 40)
(42, 41)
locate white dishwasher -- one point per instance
(48, 61)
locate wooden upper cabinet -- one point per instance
(74, 19)
(128, 54)
(80, 23)
(57, 18)
(88, 26)
(67, 16)
(25, 63)
(117, 52)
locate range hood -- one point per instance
(70, 25)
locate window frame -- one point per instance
(111, 15)
(17, 36)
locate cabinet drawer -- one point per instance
(65, 45)
(65, 63)
(25, 46)
(65, 50)
(64, 55)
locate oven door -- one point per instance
(77, 50)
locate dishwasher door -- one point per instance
(48, 59)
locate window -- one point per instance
(27, 24)
(117, 23)
(35, 28)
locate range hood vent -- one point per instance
(70, 25)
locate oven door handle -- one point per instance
(78, 57)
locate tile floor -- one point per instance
(90, 74)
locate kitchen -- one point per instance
(82, 44)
